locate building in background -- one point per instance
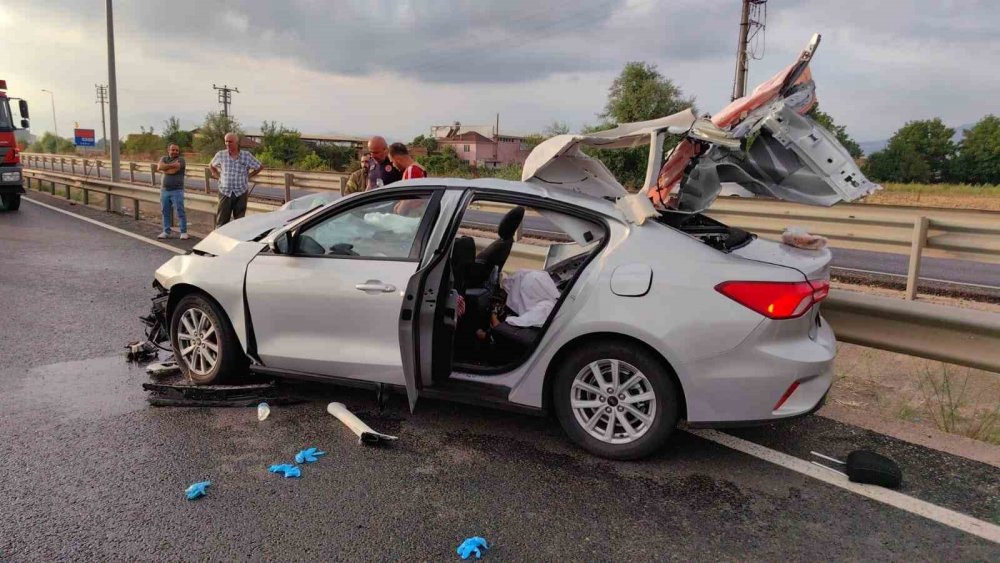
(480, 145)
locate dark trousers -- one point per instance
(230, 205)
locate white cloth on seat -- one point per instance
(531, 294)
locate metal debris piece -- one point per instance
(365, 434)
(139, 350)
(164, 368)
(185, 395)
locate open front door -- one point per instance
(427, 317)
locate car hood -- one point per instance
(251, 227)
(764, 142)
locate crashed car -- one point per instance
(655, 312)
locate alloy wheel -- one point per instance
(613, 401)
(198, 341)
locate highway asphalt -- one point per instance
(92, 472)
(883, 264)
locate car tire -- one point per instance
(11, 202)
(217, 356)
(584, 414)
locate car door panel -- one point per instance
(326, 324)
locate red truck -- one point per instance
(11, 179)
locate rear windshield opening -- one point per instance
(709, 231)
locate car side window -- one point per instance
(385, 228)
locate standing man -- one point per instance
(233, 168)
(357, 181)
(403, 162)
(380, 169)
(172, 191)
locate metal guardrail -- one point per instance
(937, 332)
(288, 179)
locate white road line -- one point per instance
(930, 511)
(108, 227)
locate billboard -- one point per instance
(84, 137)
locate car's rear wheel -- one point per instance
(11, 202)
(205, 346)
(615, 400)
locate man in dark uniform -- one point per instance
(380, 171)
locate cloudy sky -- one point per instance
(397, 67)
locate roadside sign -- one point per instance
(83, 137)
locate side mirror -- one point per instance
(22, 106)
(282, 244)
(24, 124)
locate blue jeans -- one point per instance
(170, 200)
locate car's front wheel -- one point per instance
(615, 400)
(204, 343)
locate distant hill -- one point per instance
(869, 147)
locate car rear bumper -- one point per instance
(745, 386)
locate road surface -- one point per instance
(91, 472)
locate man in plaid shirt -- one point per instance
(233, 168)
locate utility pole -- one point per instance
(102, 98)
(743, 46)
(55, 125)
(225, 97)
(113, 97)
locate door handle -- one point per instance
(375, 285)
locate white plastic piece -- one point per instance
(637, 208)
(263, 410)
(365, 434)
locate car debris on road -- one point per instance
(867, 467)
(365, 434)
(263, 411)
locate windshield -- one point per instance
(6, 124)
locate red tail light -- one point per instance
(776, 300)
(13, 156)
(17, 156)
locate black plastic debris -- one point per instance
(865, 466)
(186, 395)
(139, 351)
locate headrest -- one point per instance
(463, 252)
(510, 222)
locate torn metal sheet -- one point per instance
(365, 434)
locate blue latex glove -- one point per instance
(308, 455)
(472, 545)
(197, 490)
(287, 469)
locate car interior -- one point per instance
(542, 245)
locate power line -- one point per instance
(225, 97)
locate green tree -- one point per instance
(445, 163)
(556, 128)
(312, 161)
(928, 141)
(639, 93)
(429, 143)
(839, 131)
(337, 157)
(210, 138)
(173, 134)
(978, 159)
(281, 143)
(51, 144)
(898, 163)
(144, 144)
